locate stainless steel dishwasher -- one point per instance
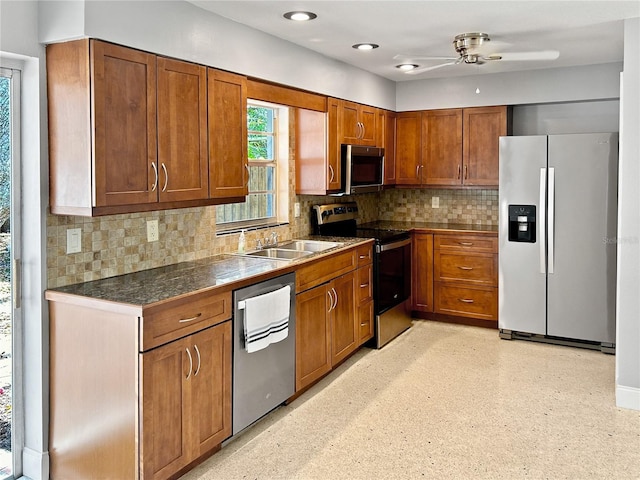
(263, 379)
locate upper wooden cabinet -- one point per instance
(454, 147)
(387, 140)
(128, 131)
(358, 124)
(228, 172)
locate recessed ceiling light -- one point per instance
(300, 16)
(365, 46)
(405, 67)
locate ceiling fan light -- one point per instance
(300, 16)
(405, 67)
(365, 46)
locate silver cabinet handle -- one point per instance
(330, 301)
(466, 172)
(465, 268)
(363, 256)
(362, 130)
(417, 171)
(166, 177)
(332, 174)
(199, 360)
(364, 324)
(466, 300)
(459, 172)
(363, 285)
(155, 182)
(190, 319)
(465, 244)
(190, 363)
(336, 297)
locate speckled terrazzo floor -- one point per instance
(446, 402)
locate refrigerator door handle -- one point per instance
(551, 217)
(542, 214)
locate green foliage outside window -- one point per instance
(5, 149)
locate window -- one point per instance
(268, 154)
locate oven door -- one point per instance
(392, 270)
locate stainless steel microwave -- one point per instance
(363, 169)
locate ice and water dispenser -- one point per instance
(522, 223)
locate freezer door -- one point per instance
(522, 282)
(582, 269)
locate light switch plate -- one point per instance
(296, 209)
(74, 240)
(435, 202)
(152, 231)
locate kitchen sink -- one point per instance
(309, 245)
(279, 253)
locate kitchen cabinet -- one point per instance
(465, 271)
(330, 310)
(128, 129)
(358, 124)
(422, 273)
(191, 413)
(160, 374)
(227, 107)
(389, 143)
(453, 147)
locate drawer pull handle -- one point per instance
(363, 285)
(191, 319)
(465, 268)
(364, 256)
(466, 300)
(190, 363)
(364, 324)
(466, 244)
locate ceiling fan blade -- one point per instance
(402, 56)
(427, 69)
(524, 56)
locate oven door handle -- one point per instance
(392, 246)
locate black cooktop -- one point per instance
(380, 233)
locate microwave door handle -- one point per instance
(392, 246)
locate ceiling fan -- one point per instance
(469, 47)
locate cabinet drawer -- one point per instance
(365, 254)
(470, 267)
(364, 287)
(466, 242)
(183, 317)
(365, 321)
(476, 302)
(323, 270)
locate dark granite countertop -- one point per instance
(163, 283)
(437, 227)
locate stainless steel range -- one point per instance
(391, 265)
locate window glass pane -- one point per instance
(261, 147)
(260, 119)
(261, 178)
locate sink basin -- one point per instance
(279, 253)
(309, 245)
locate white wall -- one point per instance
(593, 82)
(19, 42)
(628, 300)
(182, 30)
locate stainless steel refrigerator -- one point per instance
(557, 237)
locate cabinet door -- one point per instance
(389, 135)
(442, 147)
(165, 383)
(313, 336)
(227, 114)
(422, 284)
(183, 162)
(368, 118)
(210, 388)
(124, 125)
(344, 329)
(350, 126)
(482, 128)
(334, 171)
(408, 148)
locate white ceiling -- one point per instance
(584, 32)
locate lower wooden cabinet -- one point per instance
(422, 273)
(344, 329)
(186, 400)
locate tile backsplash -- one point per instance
(117, 244)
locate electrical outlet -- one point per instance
(152, 231)
(296, 209)
(74, 240)
(435, 202)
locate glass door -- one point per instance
(10, 316)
